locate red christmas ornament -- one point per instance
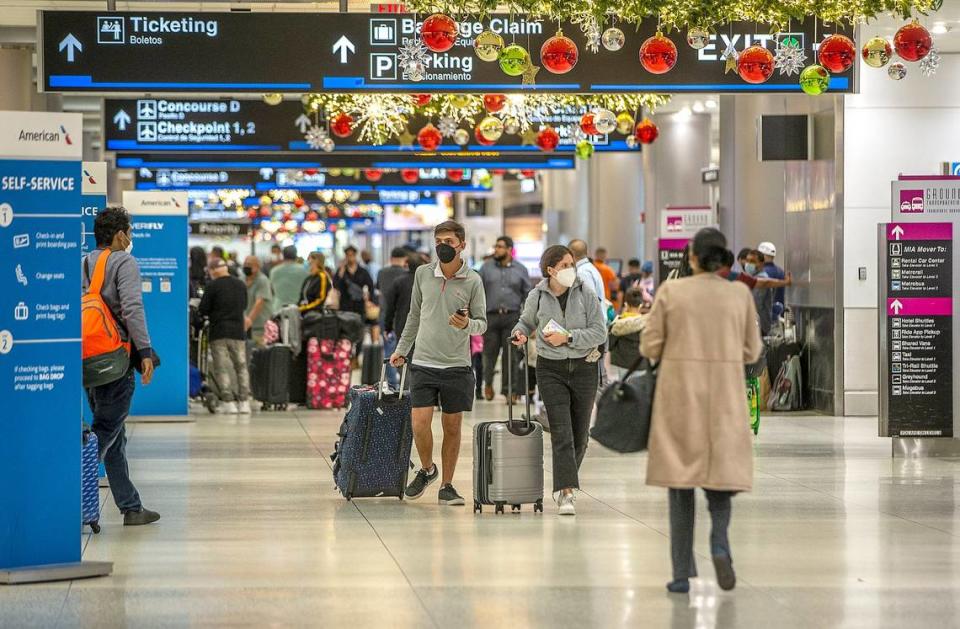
(529, 174)
(658, 54)
(587, 124)
(298, 202)
(310, 171)
(312, 216)
(646, 131)
(481, 138)
(548, 139)
(559, 54)
(494, 102)
(837, 53)
(455, 174)
(429, 138)
(252, 213)
(421, 100)
(439, 32)
(266, 212)
(499, 171)
(342, 125)
(333, 212)
(373, 175)
(912, 42)
(755, 65)
(410, 175)
(287, 215)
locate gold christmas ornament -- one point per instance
(487, 46)
(876, 52)
(273, 99)
(625, 123)
(491, 128)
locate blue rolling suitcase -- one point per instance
(90, 481)
(372, 457)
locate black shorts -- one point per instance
(452, 388)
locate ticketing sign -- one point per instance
(160, 124)
(93, 51)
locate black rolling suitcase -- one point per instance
(298, 377)
(270, 376)
(371, 363)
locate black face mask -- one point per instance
(446, 253)
(248, 271)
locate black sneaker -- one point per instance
(449, 496)
(726, 577)
(420, 483)
(141, 517)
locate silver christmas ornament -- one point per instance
(631, 141)
(698, 38)
(613, 39)
(896, 71)
(328, 145)
(605, 121)
(511, 126)
(461, 137)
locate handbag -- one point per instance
(625, 408)
(333, 299)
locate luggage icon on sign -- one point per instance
(21, 312)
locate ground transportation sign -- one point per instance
(165, 52)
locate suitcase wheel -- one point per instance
(477, 507)
(538, 506)
(500, 507)
(95, 527)
(514, 507)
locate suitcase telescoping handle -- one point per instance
(526, 378)
(383, 378)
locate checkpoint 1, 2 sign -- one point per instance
(90, 51)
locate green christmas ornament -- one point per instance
(814, 80)
(485, 180)
(584, 149)
(514, 60)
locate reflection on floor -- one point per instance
(253, 534)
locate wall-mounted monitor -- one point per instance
(783, 138)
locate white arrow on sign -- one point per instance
(896, 305)
(343, 46)
(303, 122)
(897, 232)
(72, 46)
(122, 119)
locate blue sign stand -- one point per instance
(160, 230)
(40, 363)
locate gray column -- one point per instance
(16, 68)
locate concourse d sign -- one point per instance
(89, 51)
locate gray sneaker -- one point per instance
(420, 483)
(449, 496)
(141, 517)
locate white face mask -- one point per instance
(566, 277)
(129, 247)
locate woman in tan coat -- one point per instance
(702, 329)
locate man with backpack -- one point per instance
(114, 303)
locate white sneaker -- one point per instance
(568, 504)
(244, 407)
(228, 408)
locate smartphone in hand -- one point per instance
(464, 312)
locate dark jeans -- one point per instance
(477, 361)
(681, 528)
(568, 389)
(110, 404)
(496, 340)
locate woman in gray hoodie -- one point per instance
(565, 318)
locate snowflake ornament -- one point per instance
(789, 57)
(447, 127)
(591, 31)
(412, 58)
(931, 63)
(315, 136)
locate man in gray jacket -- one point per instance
(110, 402)
(446, 308)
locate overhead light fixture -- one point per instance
(698, 107)
(685, 113)
(711, 104)
(940, 28)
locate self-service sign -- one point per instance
(157, 52)
(918, 307)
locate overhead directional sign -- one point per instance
(210, 124)
(270, 179)
(359, 52)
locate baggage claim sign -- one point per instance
(88, 51)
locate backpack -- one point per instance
(106, 356)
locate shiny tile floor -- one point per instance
(836, 534)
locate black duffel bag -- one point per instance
(321, 324)
(351, 326)
(624, 410)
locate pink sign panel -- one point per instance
(920, 231)
(673, 244)
(911, 201)
(919, 307)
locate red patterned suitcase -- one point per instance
(328, 373)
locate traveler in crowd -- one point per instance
(276, 258)
(647, 282)
(372, 267)
(632, 277)
(110, 403)
(355, 284)
(224, 303)
(506, 284)
(587, 273)
(218, 253)
(564, 317)
(259, 299)
(626, 329)
(396, 301)
(387, 279)
(198, 271)
(446, 308)
(287, 279)
(769, 252)
(701, 330)
(607, 274)
(314, 291)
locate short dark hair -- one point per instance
(453, 227)
(349, 248)
(290, 252)
(399, 252)
(710, 246)
(552, 256)
(728, 258)
(744, 253)
(218, 251)
(634, 297)
(108, 222)
(275, 247)
(634, 262)
(507, 240)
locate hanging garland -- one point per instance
(590, 15)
